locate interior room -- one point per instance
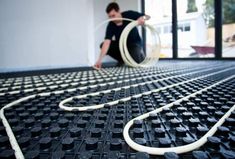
(117, 79)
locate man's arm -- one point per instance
(104, 50)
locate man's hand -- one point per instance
(141, 20)
(98, 65)
(103, 52)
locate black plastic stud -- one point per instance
(159, 132)
(3, 141)
(36, 131)
(140, 141)
(171, 155)
(32, 154)
(138, 123)
(200, 155)
(75, 132)
(63, 123)
(91, 144)
(67, 143)
(181, 132)
(138, 133)
(142, 155)
(96, 132)
(81, 123)
(227, 154)
(188, 140)
(46, 123)
(175, 122)
(201, 130)
(164, 142)
(45, 143)
(115, 144)
(156, 123)
(55, 131)
(118, 124)
(117, 133)
(223, 131)
(7, 154)
(24, 141)
(232, 141)
(213, 142)
(211, 121)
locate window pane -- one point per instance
(161, 19)
(195, 28)
(228, 28)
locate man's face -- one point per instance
(115, 14)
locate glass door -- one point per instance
(228, 12)
(196, 28)
(161, 18)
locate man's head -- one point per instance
(113, 11)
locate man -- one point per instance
(114, 29)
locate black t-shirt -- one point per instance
(114, 30)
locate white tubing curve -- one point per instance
(84, 108)
(14, 144)
(19, 154)
(130, 142)
(178, 149)
(150, 59)
(161, 151)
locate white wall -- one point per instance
(100, 15)
(41, 34)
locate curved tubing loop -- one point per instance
(130, 142)
(150, 59)
(178, 149)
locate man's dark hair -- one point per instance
(112, 6)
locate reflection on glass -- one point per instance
(228, 28)
(161, 18)
(195, 28)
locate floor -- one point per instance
(82, 114)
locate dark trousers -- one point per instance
(135, 50)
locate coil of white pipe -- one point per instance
(151, 58)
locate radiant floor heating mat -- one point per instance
(83, 114)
